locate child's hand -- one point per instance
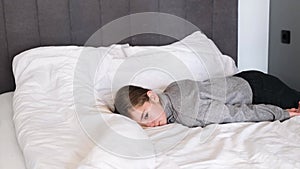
(294, 112)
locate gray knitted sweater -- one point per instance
(219, 100)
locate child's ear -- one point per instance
(153, 96)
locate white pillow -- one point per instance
(54, 107)
(196, 52)
(195, 57)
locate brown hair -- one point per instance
(129, 97)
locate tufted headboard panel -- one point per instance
(32, 23)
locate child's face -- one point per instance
(150, 114)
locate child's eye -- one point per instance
(146, 116)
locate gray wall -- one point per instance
(284, 59)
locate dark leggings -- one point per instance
(268, 89)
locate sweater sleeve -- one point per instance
(219, 112)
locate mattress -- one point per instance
(10, 155)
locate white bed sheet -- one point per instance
(11, 156)
(237, 145)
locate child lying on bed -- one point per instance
(249, 96)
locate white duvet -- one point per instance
(60, 125)
(240, 145)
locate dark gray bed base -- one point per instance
(32, 23)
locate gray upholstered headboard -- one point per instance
(32, 23)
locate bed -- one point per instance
(62, 62)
